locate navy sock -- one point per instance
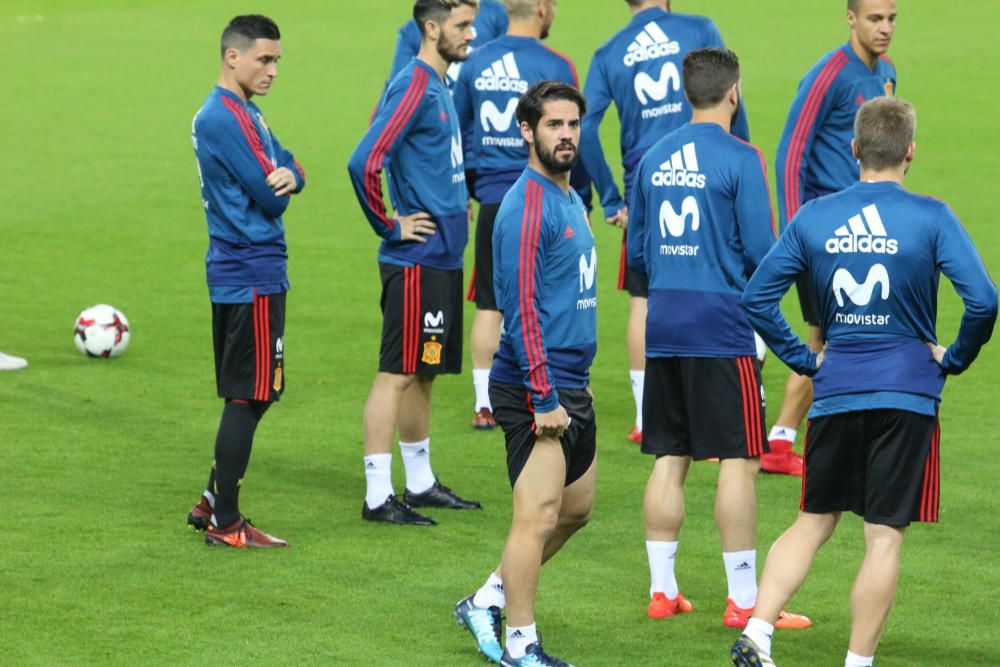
(232, 454)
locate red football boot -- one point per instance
(241, 535)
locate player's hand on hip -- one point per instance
(820, 357)
(620, 219)
(282, 180)
(551, 424)
(937, 351)
(416, 227)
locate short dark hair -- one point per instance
(708, 74)
(243, 31)
(437, 10)
(884, 129)
(852, 5)
(531, 107)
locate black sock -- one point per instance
(232, 454)
(210, 487)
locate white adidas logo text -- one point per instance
(855, 237)
(650, 44)
(681, 170)
(503, 75)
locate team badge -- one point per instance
(432, 352)
(277, 379)
(888, 87)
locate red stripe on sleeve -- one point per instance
(803, 127)
(399, 118)
(530, 325)
(249, 129)
(298, 167)
(767, 184)
(572, 67)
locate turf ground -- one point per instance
(99, 462)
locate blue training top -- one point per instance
(700, 221)
(236, 152)
(486, 94)
(640, 70)
(814, 154)
(417, 128)
(544, 275)
(874, 253)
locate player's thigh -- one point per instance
(440, 338)
(902, 468)
(724, 400)
(513, 413)
(833, 476)
(579, 442)
(665, 428)
(484, 295)
(249, 348)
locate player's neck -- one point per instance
(652, 4)
(717, 115)
(560, 178)
(894, 175)
(429, 54)
(236, 89)
(867, 57)
(525, 28)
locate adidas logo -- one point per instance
(503, 75)
(421, 452)
(856, 237)
(369, 466)
(743, 566)
(681, 170)
(498, 588)
(517, 635)
(650, 44)
(568, 233)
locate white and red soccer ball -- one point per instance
(101, 331)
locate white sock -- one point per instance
(378, 475)
(782, 433)
(518, 640)
(417, 463)
(741, 573)
(481, 383)
(661, 568)
(855, 660)
(638, 379)
(491, 594)
(760, 632)
(210, 498)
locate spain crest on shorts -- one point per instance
(889, 88)
(432, 352)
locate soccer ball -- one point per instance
(101, 331)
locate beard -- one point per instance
(736, 112)
(552, 163)
(452, 52)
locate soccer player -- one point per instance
(699, 223)
(9, 362)
(247, 179)
(874, 254)
(814, 159)
(420, 260)
(486, 95)
(490, 23)
(639, 70)
(544, 275)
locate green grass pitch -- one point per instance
(99, 461)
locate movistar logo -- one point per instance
(588, 270)
(647, 88)
(855, 236)
(457, 159)
(495, 120)
(860, 294)
(503, 75)
(651, 43)
(674, 223)
(681, 170)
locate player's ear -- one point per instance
(231, 56)
(432, 30)
(911, 152)
(526, 133)
(854, 149)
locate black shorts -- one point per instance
(421, 320)
(512, 410)
(635, 283)
(882, 465)
(807, 299)
(704, 408)
(250, 348)
(481, 285)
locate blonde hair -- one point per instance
(884, 129)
